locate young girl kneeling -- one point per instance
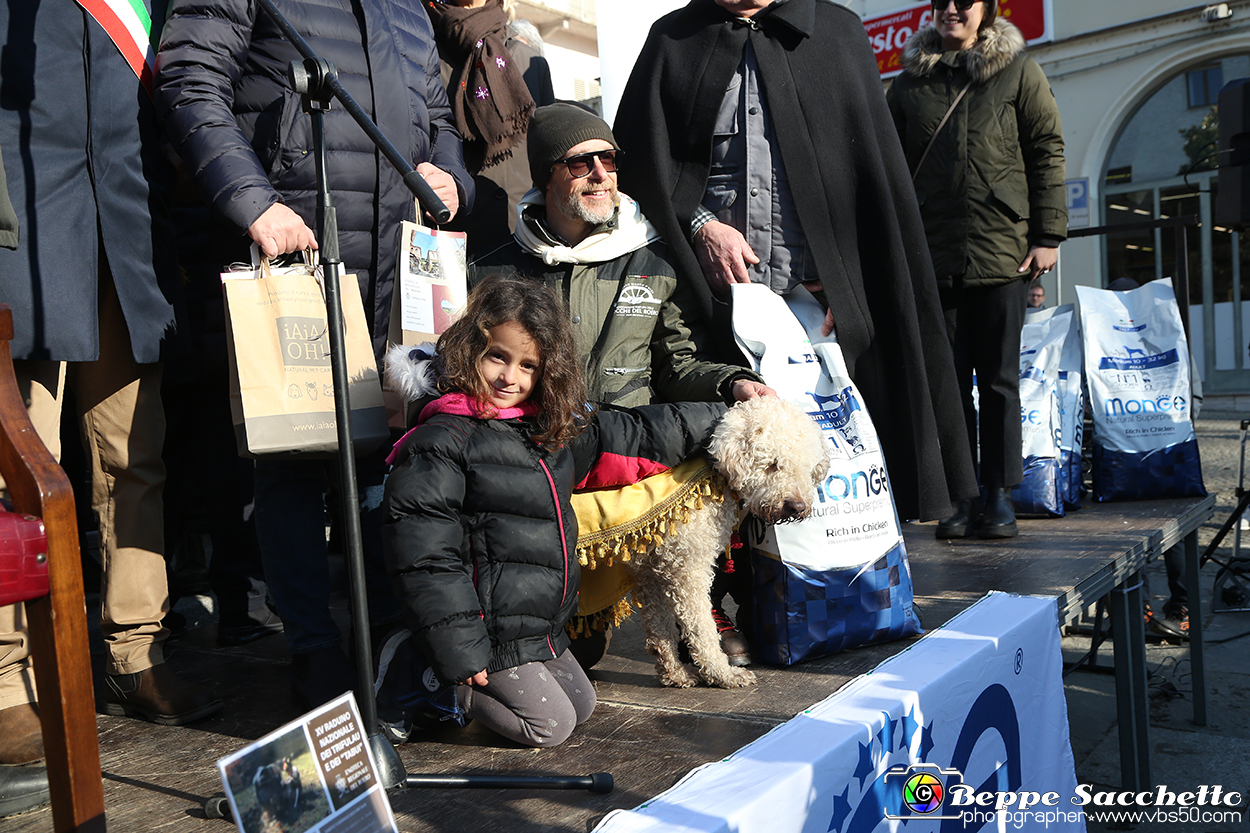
(479, 534)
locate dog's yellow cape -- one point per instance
(612, 524)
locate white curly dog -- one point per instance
(772, 456)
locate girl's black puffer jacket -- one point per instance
(480, 536)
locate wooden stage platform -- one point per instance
(157, 778)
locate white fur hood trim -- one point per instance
(996, 47)
(411, 371)
(631, 232)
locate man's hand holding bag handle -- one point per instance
(281, 390)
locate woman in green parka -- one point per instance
(981, 132)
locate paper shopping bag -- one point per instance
(281, 387)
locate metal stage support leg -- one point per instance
(1098, 638)
(1196, 661)
(1128, 633)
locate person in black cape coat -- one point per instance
(853, 197)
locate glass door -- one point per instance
(1219, 313)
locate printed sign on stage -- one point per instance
(314, 775)
(975, 707)
(888, 32)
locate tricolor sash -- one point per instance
(129, 25)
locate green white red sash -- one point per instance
(129, 25)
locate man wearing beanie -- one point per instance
(590, 242)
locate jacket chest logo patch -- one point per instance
(637, 301)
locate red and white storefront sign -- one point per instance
(888, 32)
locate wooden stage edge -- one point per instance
(1078, 558)
(647, 736)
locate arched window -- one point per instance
(1163, 164)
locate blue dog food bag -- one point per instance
(839, 578)
(1071, 389)
(1042, 342)
(1137, 368)
(1072, 411)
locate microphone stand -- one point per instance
(316, 81)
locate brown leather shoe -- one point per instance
(21, 736)
(732, 643)
(156, 694)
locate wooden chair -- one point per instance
(57, 622)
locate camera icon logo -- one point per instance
(922, 790)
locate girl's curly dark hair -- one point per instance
(559, 391)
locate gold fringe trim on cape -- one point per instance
(613, 524)
(611, 617)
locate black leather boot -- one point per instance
(999, 518)
(732, 577)
(22, 788)
(959, 523)
(732, 642)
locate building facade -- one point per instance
(569, 30)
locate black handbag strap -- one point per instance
(941, 124)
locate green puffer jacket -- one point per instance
(628, 314)
(993, 183)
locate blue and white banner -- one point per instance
(974, 707)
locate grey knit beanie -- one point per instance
(554, 129)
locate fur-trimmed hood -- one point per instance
(997, 46)
(412, 371)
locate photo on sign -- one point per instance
(313, 775)
(276, 787)
(432, 285)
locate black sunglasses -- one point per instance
(582, 164)
(962, 5)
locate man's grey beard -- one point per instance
(574, 208)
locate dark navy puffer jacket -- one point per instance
(231, 114)
(480, 536)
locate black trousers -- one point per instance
(983, 325)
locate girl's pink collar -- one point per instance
(462, 405)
